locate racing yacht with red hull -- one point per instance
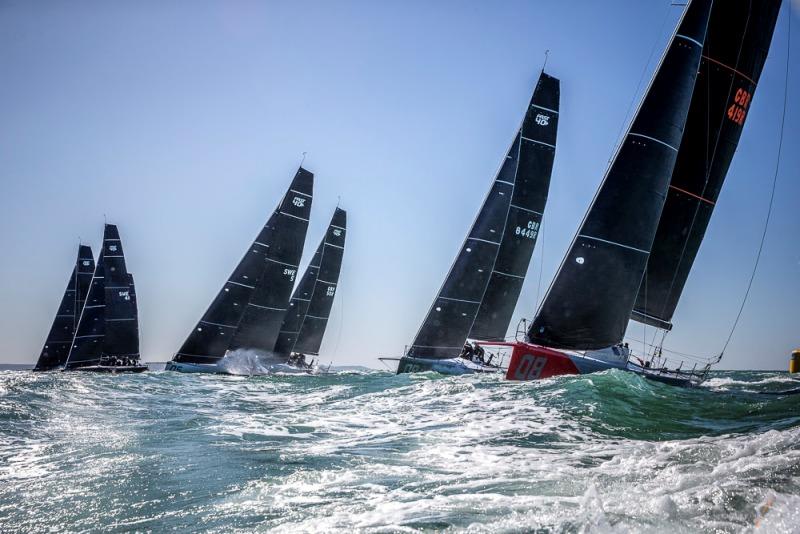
(636, 245)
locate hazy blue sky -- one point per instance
(183, 122)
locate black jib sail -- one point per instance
(59, 340)
(739, 36)
(212, 336)
(264, 313)
(453, 313)
(315, 321)
(298, 306)
(537, 149)
(591, 298)
(108, 330)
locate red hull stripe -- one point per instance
(532, 362)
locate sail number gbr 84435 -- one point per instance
(530, 231)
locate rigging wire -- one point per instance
(635, 97)
(693, 357)
(772, 193)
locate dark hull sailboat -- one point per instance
(310, 308)
(107, 337)
(246, 315)
(56, 348)
(481, 290)
(640, 257)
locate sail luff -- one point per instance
(536, 153)
(452, 313)
(59, 339)
(315, 321)
(593, 293)
(739, 35)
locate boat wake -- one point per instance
(377, 452)
(246, 362)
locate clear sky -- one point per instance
(183, 123)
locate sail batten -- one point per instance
(590, 300)
(739, 35)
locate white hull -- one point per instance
(216, 368)
(450, 366)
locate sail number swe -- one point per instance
(290, 273)
(530, 231)
(738, 110)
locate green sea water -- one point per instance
(375, 452)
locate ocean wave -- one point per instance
(375, 452)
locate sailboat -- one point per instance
(310, 308)
(481, 290)
(636, 245)
(59, 340)
(246, 315)
(107, 336)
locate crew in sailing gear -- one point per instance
(466, 352)
(479, 353)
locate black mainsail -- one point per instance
(262, 318)
(453, 313)
(212, 336)
(590, 300)
(309, 338)
(108, 330)
(537, 148)
(59, 340)
(736, 47)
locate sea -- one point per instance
(359, 450)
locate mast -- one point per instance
(264, 312)
(736, 47)
(212, 335)
(59, 340)
(452, 315)
(537, 148)
(315, 321)
(592, 295)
